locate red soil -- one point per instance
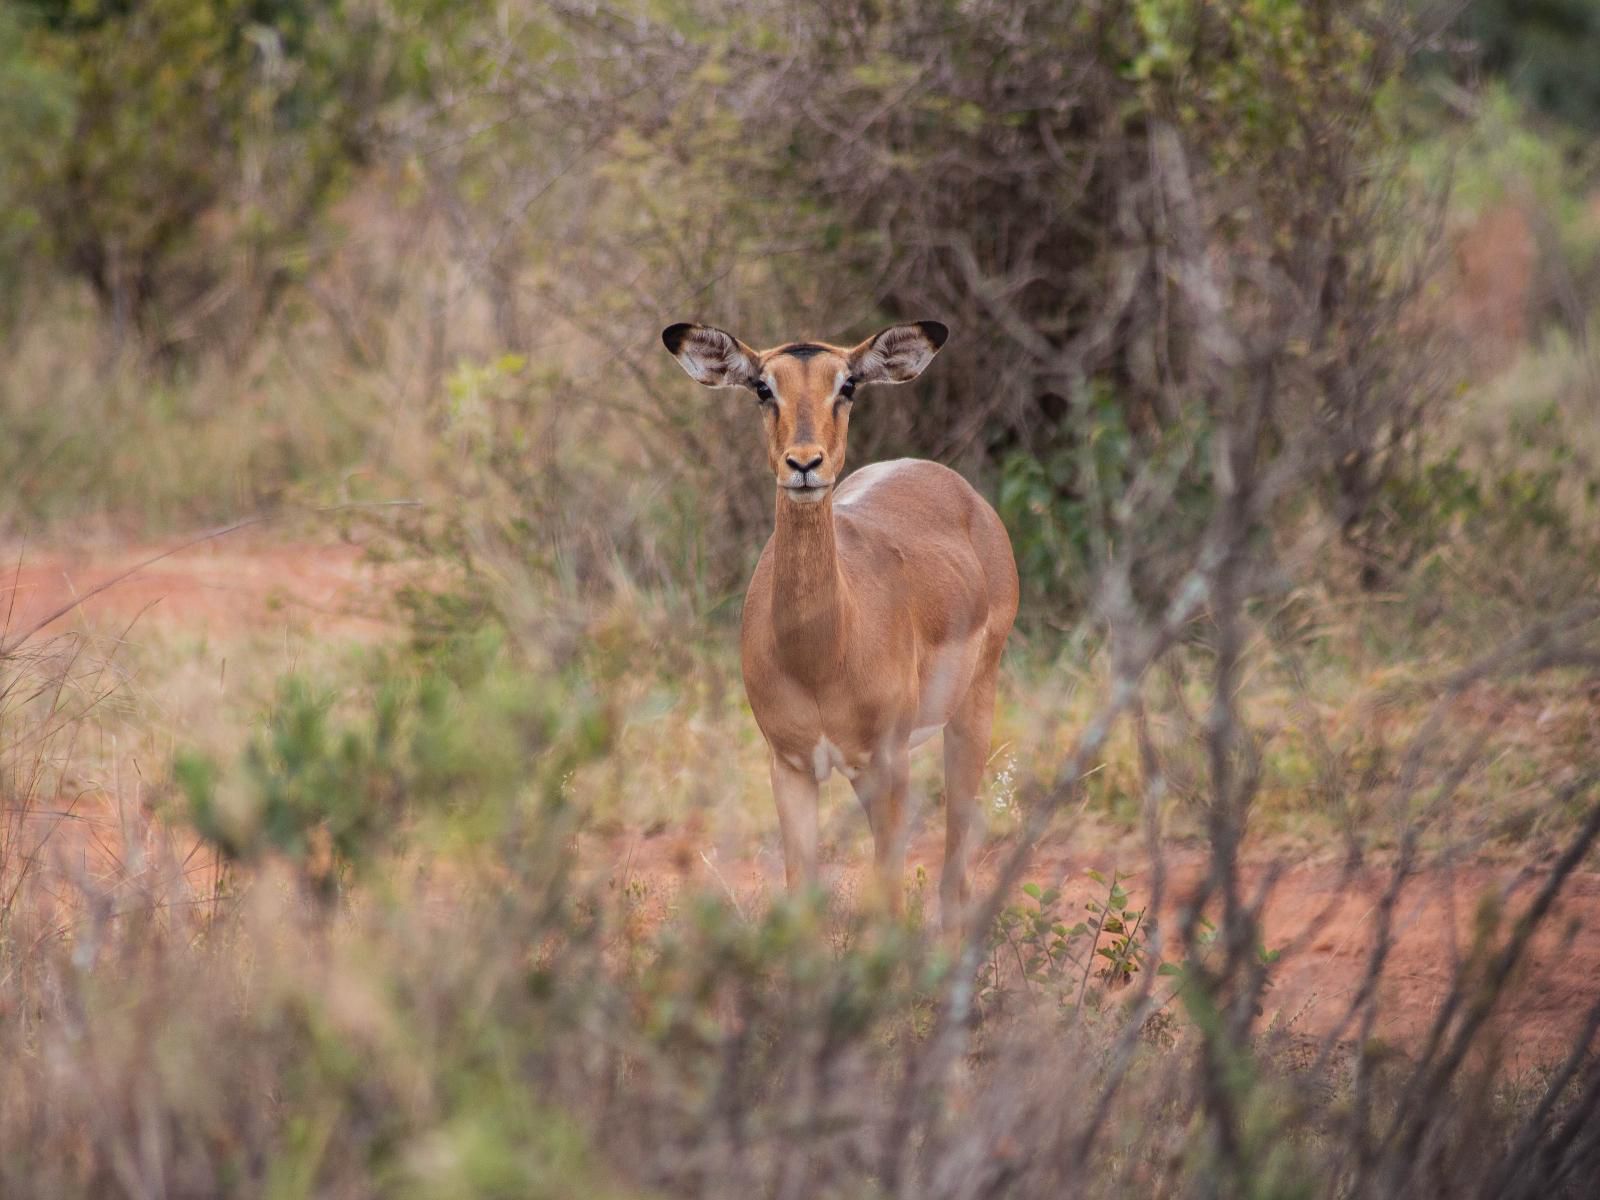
(229, 585)
(1323, 919)
(1494, 266)
(1314, 909)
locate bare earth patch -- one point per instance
(1323, 918)
(232, 584)
(240, 585)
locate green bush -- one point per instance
(36, 114)
(1547, 52)
(1067, 506)
(178, 152)
(330, 786)
(1113, 200)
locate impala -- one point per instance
(880, 606)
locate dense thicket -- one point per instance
(1547, 51)
(174, 155)
(1130, 213)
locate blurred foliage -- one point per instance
(1499, 156)
(1117, 200)
(174, 154)
(470, 740)
(193, 444)
(36, 114)
(1447, 500)
(1504, 160)
(1131, 213)
(1067, 507)
(545, 507)
(1546, 51)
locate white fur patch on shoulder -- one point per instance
(869, 478)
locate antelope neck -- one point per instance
(810, 599)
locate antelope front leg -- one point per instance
(795, 793)
(882, 788)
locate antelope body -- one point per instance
(879, 609)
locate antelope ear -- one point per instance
(710, 356)
(898, 354)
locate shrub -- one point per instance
(1545, 51)
(191, 146)
(332, 795)
(1129, 214)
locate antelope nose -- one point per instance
(794, 461)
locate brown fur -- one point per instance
(878, 608)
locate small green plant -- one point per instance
(1115, 920)
(1034, 938)
(1033, 950)
(1033, 942)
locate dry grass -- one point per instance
(550, 959)
(485, 1015)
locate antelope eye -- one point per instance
(847, 389)
(763, 392)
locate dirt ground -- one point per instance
(1321, 915)
(239, 583)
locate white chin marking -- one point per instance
(806, 495)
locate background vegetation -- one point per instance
(1274, 347)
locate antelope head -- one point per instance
(805, 390)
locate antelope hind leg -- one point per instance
(966, 753)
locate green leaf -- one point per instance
(1032, 889)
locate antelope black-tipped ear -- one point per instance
(710, 356)
(672, 337)
(899, 353)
